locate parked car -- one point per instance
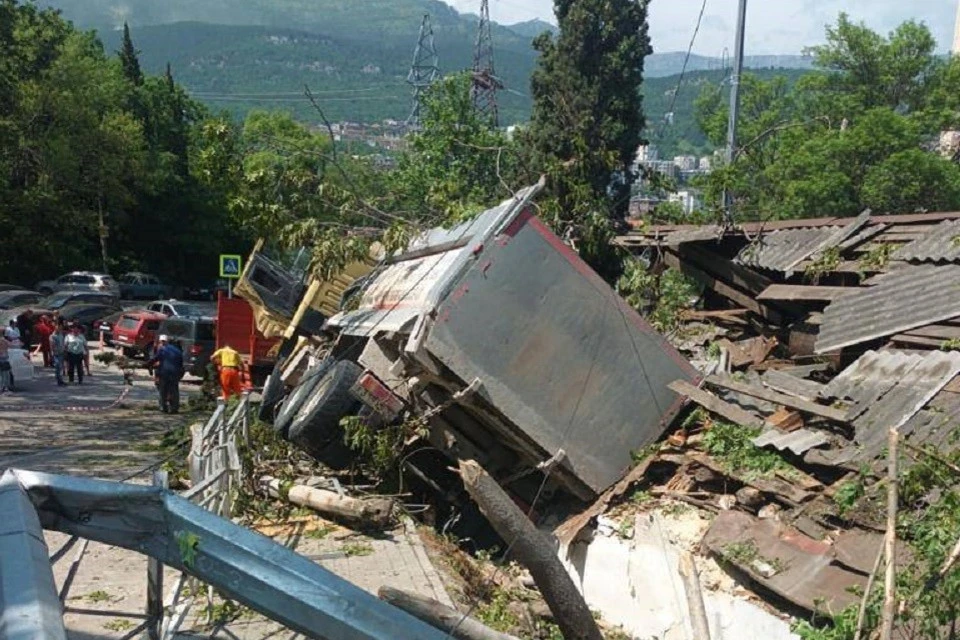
(140, 286)
(179, 308)
(136, 332)
(80, 281)
(21, 367)
(57, 301)
(207, 291)
(86, 314)
(197, 338)
(18, 298)
(104, 327)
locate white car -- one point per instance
(21, 367)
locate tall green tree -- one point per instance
(588, 117)
(130, 58)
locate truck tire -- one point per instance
(316, 426)
(291, 405)
(272, 394)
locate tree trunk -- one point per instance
(374, 511)
(533, 550)
(441, 616)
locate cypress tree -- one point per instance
(129, 58)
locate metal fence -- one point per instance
(215, 473)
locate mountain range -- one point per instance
(353, 54)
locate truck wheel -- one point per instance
(272, 394)
(291, 405)
(316, 426)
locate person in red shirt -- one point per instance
(42, 332)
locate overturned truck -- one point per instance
(508, 348)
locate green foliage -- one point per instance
(841, 626)
(848, 136)
(876, 258)
(118, 624)
(187, 542)
(825, 263)
(848, 494)
(496, 613)
(732, 445)
(660, 297)
(953, 344)
(351, 549)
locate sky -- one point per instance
(773, 26)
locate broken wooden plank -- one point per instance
(831, 413)
(726, 315)
(715, 405)
(791, 385)
(943, 332)
(787, 492)
(917, 341)
(804, 293)
(737, 275)
(785, 420)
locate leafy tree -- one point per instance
(130, 58)
(853, 134)
(588, 117)
(456, 165)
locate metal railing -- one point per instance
(215, 472)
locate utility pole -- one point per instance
(735, 101)
(424, 69)
(485, 84)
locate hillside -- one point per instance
(237, 55)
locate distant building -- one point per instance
(705, 164)
(685, 163)
(646, 153)
(688, 200)
(641, 206)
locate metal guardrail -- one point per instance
(173, 531)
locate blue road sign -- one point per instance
(229, 266)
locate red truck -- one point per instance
(236, 327)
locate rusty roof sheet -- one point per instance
(889, 389)
(911, 297)
(940, 244)
(805, 571)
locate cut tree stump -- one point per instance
(372, 511)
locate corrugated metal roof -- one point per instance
(799, 441)
(889, 389)
(905, 299)
(940, 244)
(784, 250)
(781, 250)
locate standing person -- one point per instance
(25, 324)
(43, 330)
(57, 351)
(4, 365)
(231, 365)
(12, 333)
(75, 345)
(169, 363)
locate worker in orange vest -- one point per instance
(231, 367)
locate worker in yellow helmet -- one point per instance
(231, 366)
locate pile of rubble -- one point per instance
(814, 339)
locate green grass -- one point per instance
(732, 446)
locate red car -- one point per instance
(136, 332)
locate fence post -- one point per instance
(246, 417)
(155, 577)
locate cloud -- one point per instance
(772, 27)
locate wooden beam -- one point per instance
(807, 293)
(715, 405)
(903, 338)
(791, 385)
(944, 332)
(799, 404)
(731, 272)
(711, 282)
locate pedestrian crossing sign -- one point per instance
(229, 266)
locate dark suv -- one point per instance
(196, 336)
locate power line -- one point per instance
(683, 69)
(230, 98)
(271, 94)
